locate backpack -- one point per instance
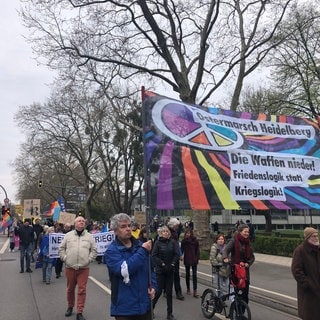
(238, 276)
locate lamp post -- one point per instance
(6, 200)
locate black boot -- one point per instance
(180, 296)
(68, 312)
(80, 316)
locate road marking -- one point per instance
(256, 288)
(4, 247)
(274, 293)
(205, 274)
(100, 284)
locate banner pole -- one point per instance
(146, 189)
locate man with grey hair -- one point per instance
(127, 260)
(173, 225)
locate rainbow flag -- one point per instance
(54, 211)
(6, 221)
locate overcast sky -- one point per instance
(22, 82)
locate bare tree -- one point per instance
(296, 62)
(194, 47)
(77, 131)
(197, 48)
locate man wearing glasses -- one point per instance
(306, 271)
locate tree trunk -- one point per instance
(267, 215)
(201, 220)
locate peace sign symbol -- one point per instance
(193, 126)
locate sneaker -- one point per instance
(21, 271)
(29, 270)
(170, 317)
(12, 250)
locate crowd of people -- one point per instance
(76, 251)
(142, 269)
(133, 259)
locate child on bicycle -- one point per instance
(216, 257)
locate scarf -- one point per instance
(220, 248)
(241, 241)
(313, 247)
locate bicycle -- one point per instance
(214, 301)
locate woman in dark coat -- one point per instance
(191, 254)
(305, 268)
(165, 255)
(241, 253)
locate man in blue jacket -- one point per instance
(133, 282)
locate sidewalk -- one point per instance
(265, 258)
(278, 260)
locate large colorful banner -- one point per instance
(201, 158)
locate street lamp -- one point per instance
(6, 200)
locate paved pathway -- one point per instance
(266, 258)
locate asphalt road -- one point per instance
(25, 296)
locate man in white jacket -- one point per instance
(77, 250)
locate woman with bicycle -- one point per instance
(241, 254)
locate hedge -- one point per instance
(278, 246)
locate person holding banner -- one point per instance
(59, 263)
(133, 282)
(47, 261)
(77, 250)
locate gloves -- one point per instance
(125, 272)
(169, 267)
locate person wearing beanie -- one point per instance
(308, 232)
(305, 270)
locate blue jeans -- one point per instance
(25, 251)
(46, 271)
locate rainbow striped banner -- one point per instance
(204, 158)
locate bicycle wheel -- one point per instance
(208, 303)
(239, 310)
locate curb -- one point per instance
(268, 299)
